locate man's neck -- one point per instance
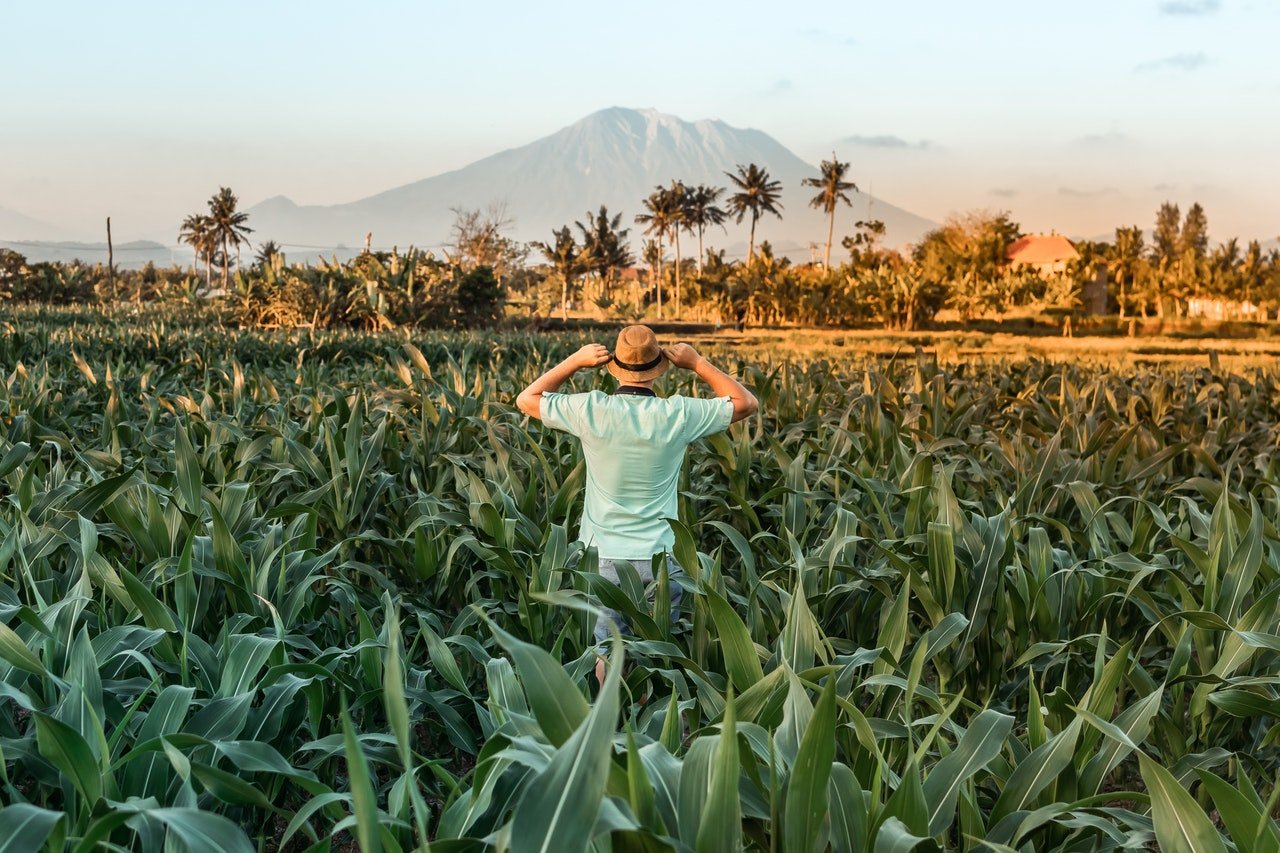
(636, 389)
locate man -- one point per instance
(634, 443)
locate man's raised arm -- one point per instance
(722, 384)
(530, 399)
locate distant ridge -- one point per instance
(614, 157)
(131, 255)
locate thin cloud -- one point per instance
(1176, 62)
(1002, 192)
(1190, 7)
(780, 87)
(1074, 192)
(887, 141)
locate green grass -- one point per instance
(316, 589)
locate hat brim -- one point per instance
(641, 375)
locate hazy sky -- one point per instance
(1075, 117)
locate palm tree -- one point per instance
(267, 253)
(605, 250)
(197, 232)
(757, 194)
(661, 216)
(566, 259)
(229, 227)
(1126, 255)
(679, 222)
(652, 255)
(701, 210)
(831, 191)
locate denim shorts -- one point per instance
(644, 568)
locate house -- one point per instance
(1223, 309)
(1046, 253)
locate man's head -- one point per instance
(637, 357)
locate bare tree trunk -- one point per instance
(751, 243)
(677, 272)
(226, 263)
(659, 278)
(831, 228)
(564, 298)
(701, 253)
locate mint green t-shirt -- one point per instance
(634, 447)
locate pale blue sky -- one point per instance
(1075, 117)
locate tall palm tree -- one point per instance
(566, 259)
(702, 210)
(197, 232)
(831, 191)
(229, 226)
(605, 250)
(1126, 255)
(679, 203)
(757, 194)
(660, 217)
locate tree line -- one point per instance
(590, 266)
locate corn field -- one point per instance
(288, 591)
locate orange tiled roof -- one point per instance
(1041, 249)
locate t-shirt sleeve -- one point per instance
(703, 417)
(563, 412)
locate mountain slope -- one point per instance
(613, 157)
(17, 226)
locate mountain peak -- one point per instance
(613, 156)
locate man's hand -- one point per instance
(683, 355)
(592, 355)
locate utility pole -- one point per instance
(111, 262)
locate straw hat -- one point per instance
(637, 356)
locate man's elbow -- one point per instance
(745, 407)
(528, 403)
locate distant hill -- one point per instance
(131, 255)
(613, 157)
(18, 226)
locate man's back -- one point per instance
(634, 447)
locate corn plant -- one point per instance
(297, 590)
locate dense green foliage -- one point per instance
(320, 585)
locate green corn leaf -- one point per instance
(1252, 830)
(364, 804)
(16, 653)
(560, 809)
(555, 700)
(1181, 825)
(1037, 771)
(1135, 724)
(848, 810)
(806, 802)
(188, 469)
(14, 457)
(720, 827)
(201, 831)
(981, 743)
(895, 837)
(65, 749)
(735, 643)
(24, 827)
